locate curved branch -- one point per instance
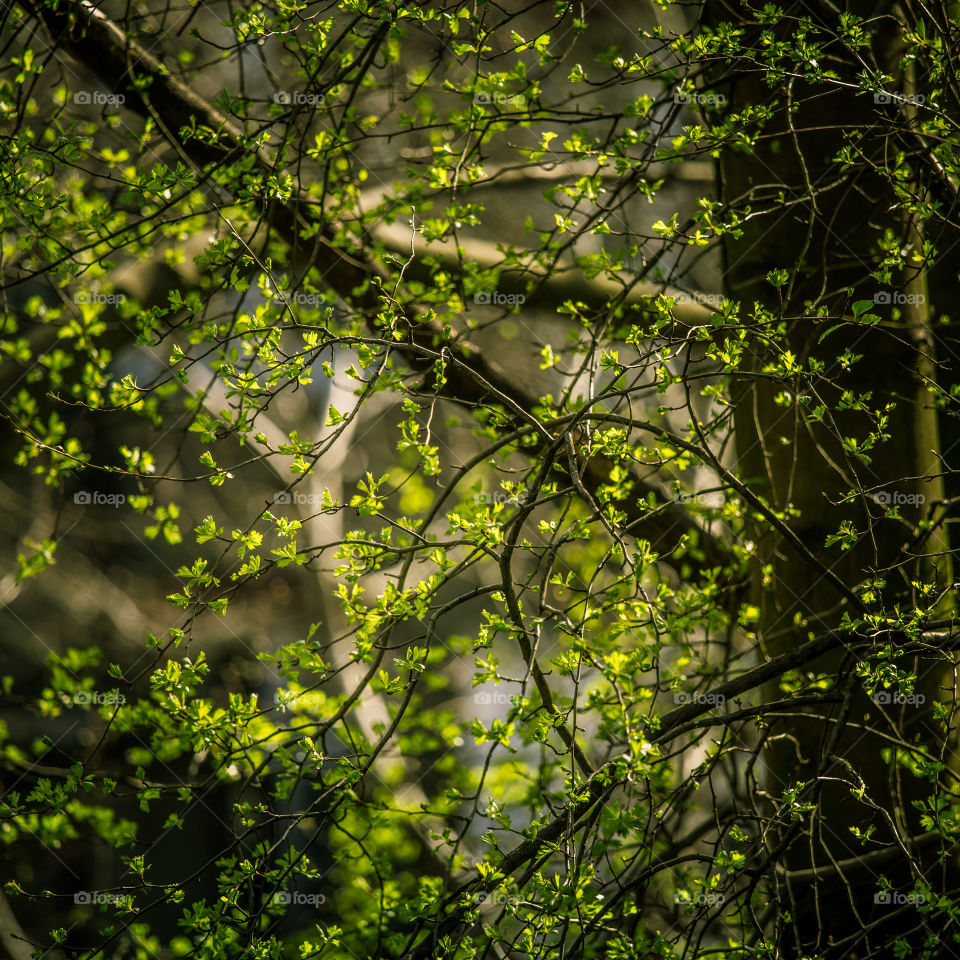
(106, 50)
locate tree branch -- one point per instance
(102, 46)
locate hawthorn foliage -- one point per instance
(591, 369)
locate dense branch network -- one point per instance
(679, 528)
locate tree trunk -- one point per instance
(829, 242)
